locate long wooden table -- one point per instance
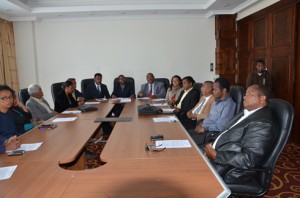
(129, 171)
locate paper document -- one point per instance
(158, 100)
(64, 119)
(90, 103)
(159, 105)
(6, 172)
(173, 144)
(168, 110)
(71, 112)
(144, 98)
(28, 147)
(121, 100)
(165, 119)
(101, 99)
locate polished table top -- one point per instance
(130, 171)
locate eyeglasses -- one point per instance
(5, 98)
(154, 148)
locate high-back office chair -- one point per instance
(55, 89)
(84, 83)
(128, 80)
(237, 94)
(283, 113)
(165, 81)
(23, 95)
(198, 87)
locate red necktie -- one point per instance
(150, 91)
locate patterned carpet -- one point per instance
(286, 177)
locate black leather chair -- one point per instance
(165, 81)
(198, 87)
(23, 96)
(237, 94)
(55, 89)
(284, 116)
(128, 80)
(84, 83)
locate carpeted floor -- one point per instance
(286, 177)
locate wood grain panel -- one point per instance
(260, 33)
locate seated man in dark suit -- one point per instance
(247, 139)
(122, 90)
(152, 89)
(187, 99)
(220, 114)
(96, 90)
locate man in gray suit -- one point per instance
(37, 105)
(152, 89)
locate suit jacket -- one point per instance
(187, 103)
(159, 90)
(125, 93)
(245, 145)
(206, 108)
(78, 94)
(62, 103)
(92, 92)
(39, 112)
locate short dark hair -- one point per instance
(263, 90)
(189, 79)
(5, 87)
(68, 83)
(71, 79)
(97, 74)
(210, 83)
(224, 83)
(121, 75)
(260, 61)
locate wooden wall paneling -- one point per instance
(281, 52)
(225, 31)
(243, 52)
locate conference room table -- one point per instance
(57, 169)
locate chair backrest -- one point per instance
(165, 81)
(128, 80)
(23, 96)
(84, 83)
(198, 87)
(55, 89)
(237, 94)
(283, 115)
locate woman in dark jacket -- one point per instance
(64, 99)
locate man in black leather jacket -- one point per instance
(247, 138)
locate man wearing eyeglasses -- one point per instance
(8, 131)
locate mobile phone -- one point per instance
(156, 137)
(16, 152)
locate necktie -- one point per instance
(150, 91)
(98, 88)
(197, 110)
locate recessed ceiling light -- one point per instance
(59, 15)
(7, 10)
(122, 12)
(154, 11)
(91, 13)
(226, 5)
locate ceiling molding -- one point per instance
(74, 10)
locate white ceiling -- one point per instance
(55, 10)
